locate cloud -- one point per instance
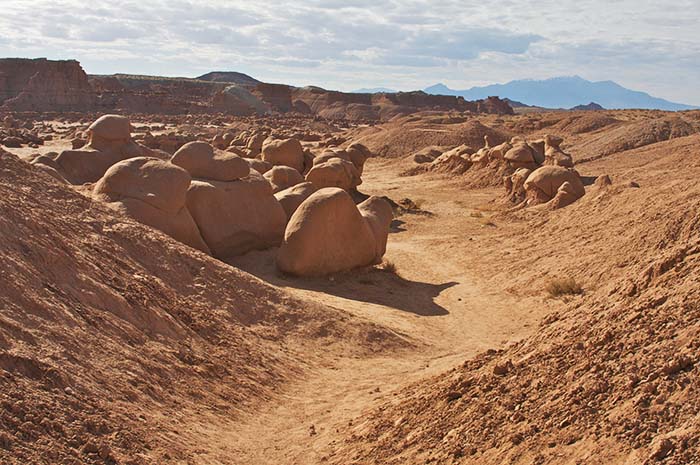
(348, 44)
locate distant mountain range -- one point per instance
(564, 92)
(374, 90)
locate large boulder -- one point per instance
(282, 177)
(201, 161)
(109, 132)
(327, 234)
(292, 197)
(152, 192)
(543, 184)
(286, 152)
(334, 172)
(521, 155)
(237, 216)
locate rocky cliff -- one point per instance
(42, 85)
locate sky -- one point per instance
(653, 46)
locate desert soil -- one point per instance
(439, 297)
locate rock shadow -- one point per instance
(371, 285)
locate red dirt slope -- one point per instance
(614, 378)
(117, 343)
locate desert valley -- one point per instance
(219, 270)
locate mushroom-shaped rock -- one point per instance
(326, 234)
(201, 161)
(520, 155)
(378, 214)
(542, 185)
(358, 154)
(334, 173)
(237, 216)
(554, 155)
(152, 192)
(291, 197)
(109, 141)
(287, 152)
(282, 177)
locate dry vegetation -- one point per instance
(563, 286)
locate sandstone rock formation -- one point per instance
(292, 197)
(328, 234)
(152, 192)
(286, 152)
(544, 183)
(237, 216)
(282, 177)
(201, 161)
(44, 85)
(554, 155)
(378, 214)
(334, 172)
(109, 141)
(358, 154)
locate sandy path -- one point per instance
(441, 300)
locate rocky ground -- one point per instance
(495, 331)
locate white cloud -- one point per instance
(345, 44)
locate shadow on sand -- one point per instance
(371, 285)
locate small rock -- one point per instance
(661, 449)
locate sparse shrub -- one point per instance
(563, 286)
(476, 215)
(389, 267)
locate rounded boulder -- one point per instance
(327, 234)
(287, 152)
(202, 161)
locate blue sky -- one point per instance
(647, 45)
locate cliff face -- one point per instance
(384, 106)
(43, 85)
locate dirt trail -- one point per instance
(440, 299)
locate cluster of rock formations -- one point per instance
(44, 85)
(533, 172)
(269, 192)
(15, 134)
